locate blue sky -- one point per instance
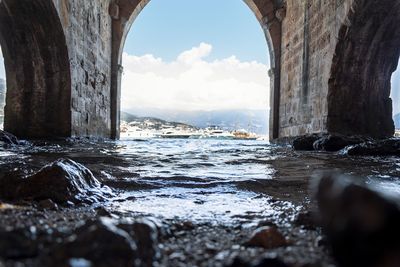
(196, 55)
(165, 28)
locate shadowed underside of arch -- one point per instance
(124, 12)
(37, 69)
(366, 56)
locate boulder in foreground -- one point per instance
(306, 142)
(98, 243)
(333, 143)
(388, 147)
(267, 237)
(326, 142)
(8, 139)
(63, 181)
(362, 226)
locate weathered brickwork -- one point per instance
(310, 33)
(366, 55)
(87, 27)
(331, 62)
(37, 68)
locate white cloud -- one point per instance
(192, 83)
(195, 54)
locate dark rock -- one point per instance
(270, 262)
(17, 244)
(238, 262)
(388, 147)
(362, 226)
(101, 243)
(48, 204)
(335, 143)
(305, 142)
(265, 261)
(307, 220)
(103, 212)
(267, 237)
(145, 234)
(63, 181)
(8, 139)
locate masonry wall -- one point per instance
(87, 27)
(310, 34)
(309, 31)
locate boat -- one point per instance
(220, 134)
(244, 135)
(216, 133)
(176, 135)
(135, 133)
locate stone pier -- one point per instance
(331, 64)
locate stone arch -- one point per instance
(366, 55)
(269, 13)
(37, 69)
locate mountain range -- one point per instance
(156, 122)
(251, 120)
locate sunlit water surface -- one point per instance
(211, 180)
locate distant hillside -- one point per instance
(125, 116)
(252, 120)
(128, 117)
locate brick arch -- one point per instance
(366, 55)
(268, 12)
(37, 69)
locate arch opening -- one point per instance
(367, 54)
(37, 70)
(269, 15)
(395, 96)
(2, 90)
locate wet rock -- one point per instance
(63, 181)
(270, 262)
(99, 243)
(335, 143)
(47, 204)
(362, 226)
(8, 139)
(267, 237)
(265, 261)
(103, 212)
(305, 142)
(389, 147)
(328, 142)
(306, 220)
(145, 234)
(17, 244)
(238, 262)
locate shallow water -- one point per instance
(219, 181)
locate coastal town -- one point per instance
(149, 128)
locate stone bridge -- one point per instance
(331, 64)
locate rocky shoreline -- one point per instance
(55, 225)
(63, 215)
(348, 145)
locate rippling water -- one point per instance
(219, 180)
